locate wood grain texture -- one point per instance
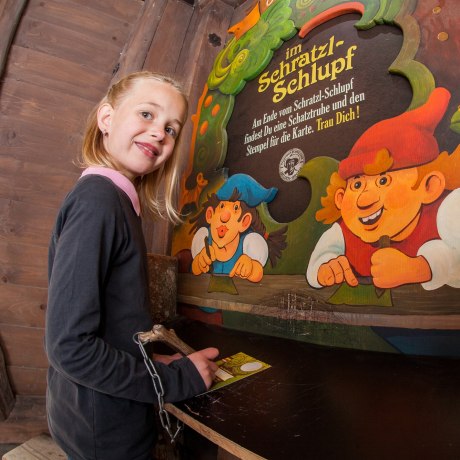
(27, 419)
(28, 381)
(44, 70)
(21, 181)
(23, 305)
(41, 447)
(6, 393)
(10, 15)
(289, 297)
(24, 265)
(23, 346)
(26, 223)
(83, 20)
(137, 47)
(163, 53)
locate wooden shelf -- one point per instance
(290, 297)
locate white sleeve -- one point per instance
(330, 246)
(255, 246)
(443, 255)
(198, 240)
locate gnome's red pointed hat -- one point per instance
(408, 138)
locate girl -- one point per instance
(100, 393)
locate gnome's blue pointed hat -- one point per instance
(251, 192)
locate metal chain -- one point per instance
(159, 390)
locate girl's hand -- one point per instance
(166, 359)
(203, 362)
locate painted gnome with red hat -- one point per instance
(394, 206)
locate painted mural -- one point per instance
(326, 158)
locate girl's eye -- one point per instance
(146, 115)
(171, 131)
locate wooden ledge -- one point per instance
(41, 447)
(289, 297)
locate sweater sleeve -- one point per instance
(89, 233)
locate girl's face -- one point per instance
(143, 128)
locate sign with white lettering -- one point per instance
(326, 162)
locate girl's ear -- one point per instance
(104, 117)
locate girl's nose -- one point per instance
(158, 133)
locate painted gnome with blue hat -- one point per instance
(230, 238)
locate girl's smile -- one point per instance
(148, 149)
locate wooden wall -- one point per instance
(63, 55)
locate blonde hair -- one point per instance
(148, 187)
(448, 165)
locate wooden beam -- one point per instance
(6, 393)
(136, 49)
(10, 15)
(288, 297)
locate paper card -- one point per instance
(236, 367)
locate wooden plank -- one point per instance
(84, 20)
(48, 71)
(27, 419)
(22, 264)
(37, 184)
(169, 36)
(23, 346)
(135, 51)
(44, 106)
(26, 223)
(38, 448)
(10, 14)
(28, 381)
(119, 9)
(23, 139)
(289, 297)
(23, 305)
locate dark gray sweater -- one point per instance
(100, 394)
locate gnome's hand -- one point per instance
(202, 261)
(247, 268)
(391, 268)
(336, 271)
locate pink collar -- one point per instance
(119, 180)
